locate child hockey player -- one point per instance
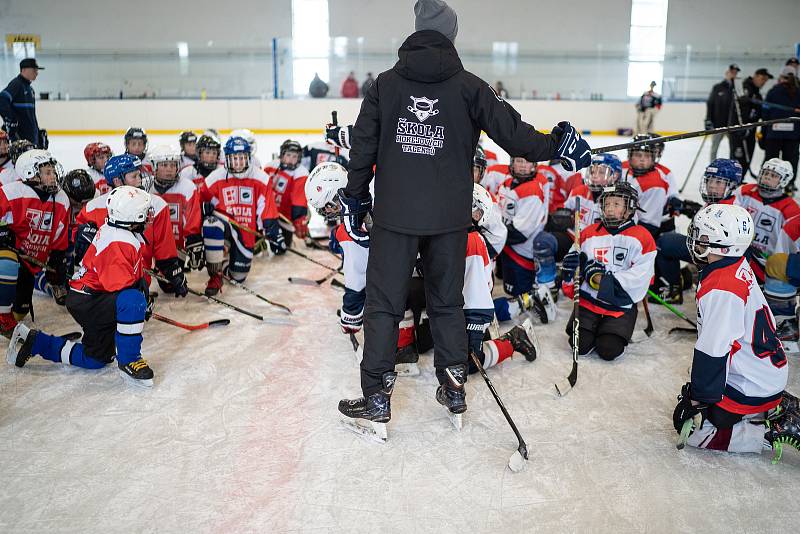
(241, 197)
(17, 148)
(250, 137)
(183, 200)
(97, 155)
(288, 177)
(208, 152)
(616, 257)
(739, 369)
(188, 143)
(106, 297)
(35, 213)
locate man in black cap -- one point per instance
(18, 106)
(418, 126)
(749, 103)
(720, 110)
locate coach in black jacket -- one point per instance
(18, 105)
(419, 124)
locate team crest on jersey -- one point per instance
(767, 222)
(620, 255)
(745, 275)
(601, 254)
(174, 211)
(39, 220)
(422, 107)
(245, 195)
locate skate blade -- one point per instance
(406, 369)
(145, 384)
(14, 345)
(457, 420)
(517, 462)
(373, 431)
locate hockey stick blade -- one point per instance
(683, 330)
(567, 385)
(686, 429)
(191, 327)
(519, 459)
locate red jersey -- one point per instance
(39, 226)
(160, 244)
(290, 188)
(196, 177)
(558, 186)
(247, 199)
(112, 262)
(183, 201)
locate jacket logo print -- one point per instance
(422, 107)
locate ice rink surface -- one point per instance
(241, 432)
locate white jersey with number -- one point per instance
(739, 362)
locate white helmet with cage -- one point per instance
(481, 201)
(721, 229)
(775, 175)
(29, 168)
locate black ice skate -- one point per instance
(137, 373)
(452, 394)
(19, 349)
(405, 361)
(783, 429)
(542, 303)
(368, 416)
(523, 339)
(788, 334)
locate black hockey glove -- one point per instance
(173, 272)
(690, 208)
(685, 410)
(83, 238)
(354, 211)
(571, 262)
(573, 151)
(274, 235)
(195, 255)
(674, 206)
(7, 237)
(338, 136)
(56, 275)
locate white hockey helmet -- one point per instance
(28, 167)
(779, 173)
(128, 207)
(164, 153)
(722, 229)
(481, 200)
(248, 136)
(323, 184)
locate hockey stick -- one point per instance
(252, 292)
(335, 122)
(572, 379)
(648, 330)
(690, 135)
(517, 461)
(671, 308)
(308, 282)
(694, 162)
(312, 260)
(208, 297)
(767, 105)
(739, 117)
(336, 283)
(192, 327)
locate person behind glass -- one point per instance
(750, 105)
(720, 110)
(782, 140)
(647, 107)
(318, 88)
(350, 86)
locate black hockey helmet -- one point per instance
(19, 147)
(78, 186)
(622, 190)
(207, 142)
(653, 149)
(187, 137)
(135, 132)
(290, 145)
(479, 161)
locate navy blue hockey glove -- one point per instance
(83, 238)
(573, 151)
(338, 136)
(354, 211)
(195, 255)
(570, 263)
(274, 236)
(7, 237)
(690, 208)
(674, 206)
(173, 272)
(594, 267)
(685, 410)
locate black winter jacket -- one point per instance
(18, 105)
(719, 106)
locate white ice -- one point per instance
(241, 433)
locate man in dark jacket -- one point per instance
(419, 125)
(749, 104)
(783, 140)
(18, 105)
(720, 110)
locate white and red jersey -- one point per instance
(8, 176)
(493, 230)
(99, 180)
(768, 220)
(494, 177)
(590, 208)
(112, 262)
(39, 225)
(192, 174)
(186, 161)
(789, 237)
(478, 282)
(558, 186)
(185, 215)
(289, 186)
(739, 362)
(491, 158)
(160, 245)
(654, 189)
(629, 255)
(525, 207)
(247, 199)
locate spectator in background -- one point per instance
(500, 90)
(750, 105)
(318, 88)
(646, 109)
(18, 106)
(719, 108)
(367, 84)
(350, 86)
(782, 140)
(794, 63)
